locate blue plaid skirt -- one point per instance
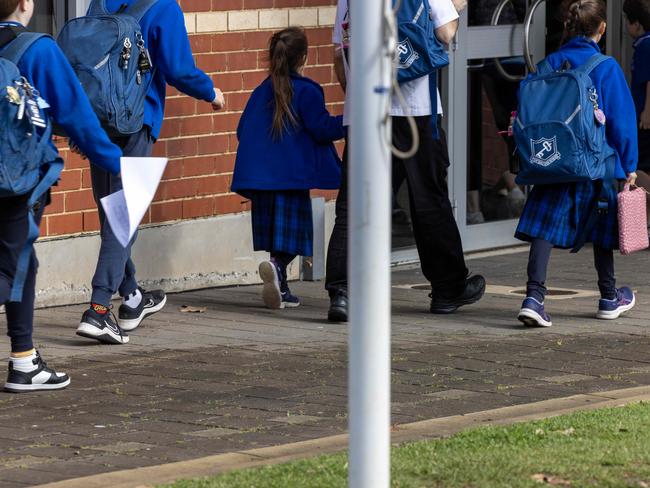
(556, 214)
(282, 221)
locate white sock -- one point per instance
(24, 365)
(134, 299)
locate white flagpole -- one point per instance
(369, 247)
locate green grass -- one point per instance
(602, 448)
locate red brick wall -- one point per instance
(201, 144)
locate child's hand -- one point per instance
(644, 120)
(219, 101)
(631, 179)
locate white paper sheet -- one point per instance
(126, 208)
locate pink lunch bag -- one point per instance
(632, 220)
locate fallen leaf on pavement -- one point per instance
(188, 309)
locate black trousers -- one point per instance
(434, 228)
(14, 225)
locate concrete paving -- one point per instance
(238, 377)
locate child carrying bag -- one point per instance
(632, 220)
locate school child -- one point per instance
(285, 149)
(171, 63)
(46, 69)
(637, 13)
(554, 214)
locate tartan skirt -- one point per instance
(556, 213)
(282, 221)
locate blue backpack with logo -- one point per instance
(419, 52)
(560, 129)
(109, 55)
(29, 164)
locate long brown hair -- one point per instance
(583, 17)
(287, 54)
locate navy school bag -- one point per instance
(29, 165)
(419, 52)
(559, 128)
(108, 53)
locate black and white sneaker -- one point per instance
(32, 374)
(101, 327)
(152, 301)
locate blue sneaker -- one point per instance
(289, 300)
(271, 277)
(532, 314)
(612, 309)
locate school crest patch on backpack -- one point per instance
(544, 151)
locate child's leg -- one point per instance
(604, 263)
(540, 254)
(20, 315)
(282, 259)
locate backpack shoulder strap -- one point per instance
(140, 8)
(97, 7)
(592, 63)
(16, 48)
(544, 67)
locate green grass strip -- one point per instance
(601, 448)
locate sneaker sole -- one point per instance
(16, 388)
(91, 332)
(460, 303)
(290, 305)
(614, 314)
(132, 324)
(271, 294)
(530, 318)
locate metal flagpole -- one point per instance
(369, 246)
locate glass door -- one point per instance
(497, 41)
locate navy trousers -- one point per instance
(115, 272)
(540, 254)
(14, 225)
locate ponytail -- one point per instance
(583, 17)
(287, 54)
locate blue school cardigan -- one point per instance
(615, 100)
(163, 28)
(303, 157)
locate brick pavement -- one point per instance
(239, 376)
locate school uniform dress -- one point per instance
(556, 213)
(276, 173)
(46, 69)
(163, 28)
(640, 79)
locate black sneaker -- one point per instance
(473, 292)
(101, 327)
(41, 378)
(289, 300)
(152, 301)
(338, 311)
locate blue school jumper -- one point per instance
(556, 213)
(163, 28)
(276, 173)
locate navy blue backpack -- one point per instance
(419, 52)
(559, 129)
(109, 55)
(29, 164)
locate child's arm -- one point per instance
(644, 118)
(172, 54)
(322, 126)
(47, 67)
(618, 105)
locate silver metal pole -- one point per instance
(369, 248)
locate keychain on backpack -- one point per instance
(126, 53)
(598, 113)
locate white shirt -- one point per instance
(416, 92)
